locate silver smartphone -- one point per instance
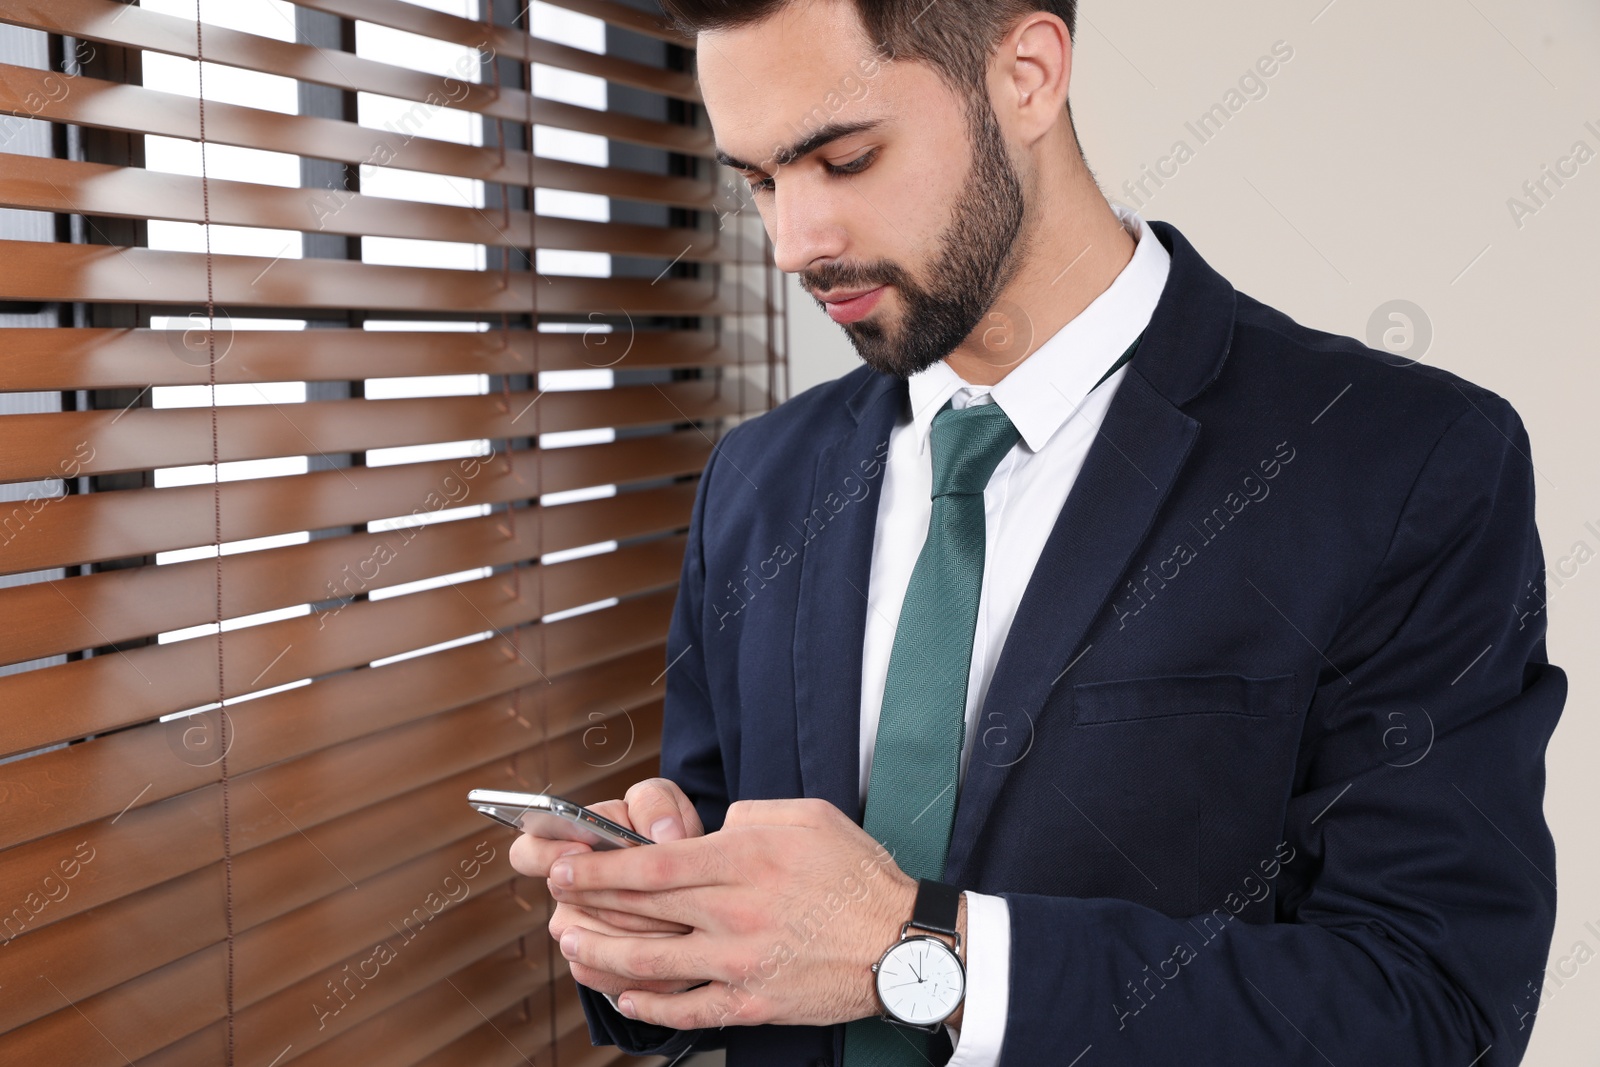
(553, 817)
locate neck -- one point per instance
(1074, 250)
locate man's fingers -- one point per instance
(646, 958)
(532, 856)
(798, 811)
(718, 1004)
(628, 922)
(660, 811)
(698, 861)
(610, 921)
(617, 923)
(567, 916)
(616, 811)
(667, 907)
(612, 985)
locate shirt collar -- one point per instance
(1045, 390)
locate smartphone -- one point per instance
(553, 817)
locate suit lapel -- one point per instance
(1130, 468)
(831, 619)
(1135, 458)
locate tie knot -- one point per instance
(968, 443)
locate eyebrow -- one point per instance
(825, 135)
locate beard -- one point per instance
(977, 258)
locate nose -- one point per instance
(805, 225)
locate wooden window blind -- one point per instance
(359, 361)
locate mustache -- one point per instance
(823, 283)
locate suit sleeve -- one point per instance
(690, 756)
(1416, 883)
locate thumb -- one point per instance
(662, 811)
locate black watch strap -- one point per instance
(938, 907)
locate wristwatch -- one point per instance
(920, 979)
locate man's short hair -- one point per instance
(955, 37)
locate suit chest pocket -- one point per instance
(1183, 696)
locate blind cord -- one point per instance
(531, 207)
(216, 513)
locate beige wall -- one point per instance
(1377, 167)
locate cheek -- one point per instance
(925, 222)
(923, 191)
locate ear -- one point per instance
(1036, 70)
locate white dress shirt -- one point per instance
(1047, 398)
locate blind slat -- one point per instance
(163, 679)
(57, 616)
(625, 184)
(101, 273)
(57, 531)
(91, 358)
(108, 22)
(623, 17)
(414, 18)
(38, 446)
(111, 105)
(64, 186)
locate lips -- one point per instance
(854, 308)
(841, 297)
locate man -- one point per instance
(1198, 650)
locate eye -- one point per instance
(855, 166)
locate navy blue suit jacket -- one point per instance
(1261, 767)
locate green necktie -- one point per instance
(911, 796)
(916, 759)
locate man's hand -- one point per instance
(655, 803)
(790, 903)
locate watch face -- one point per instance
(920, 980)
